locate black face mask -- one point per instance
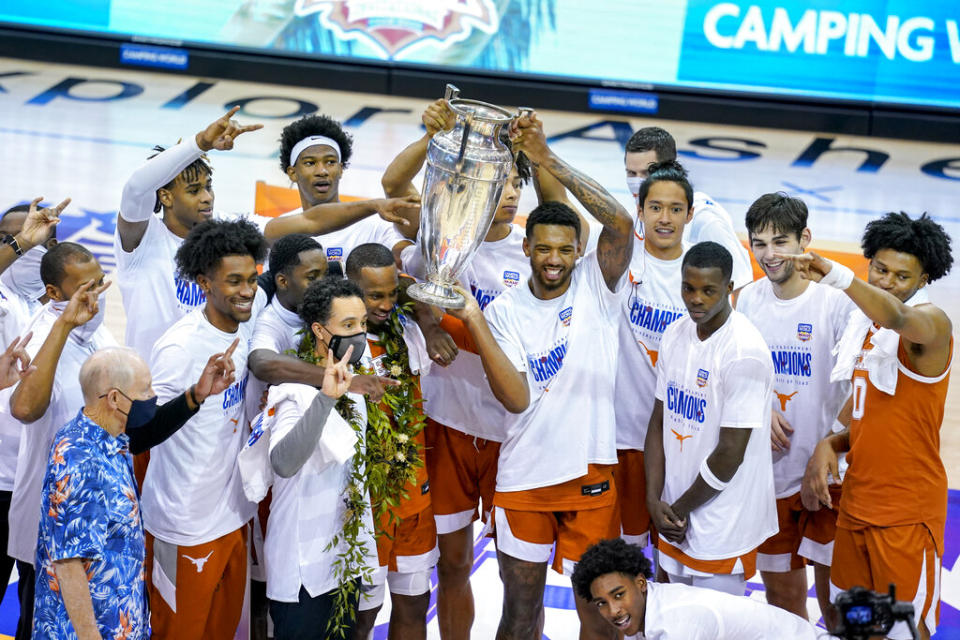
(339, 344)
(141, 411)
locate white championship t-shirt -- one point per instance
(15, 313)
(337, 245)
(276, 329)
(801, 334)
(66, 399)
(567, 348)
(192, 492)
(681, 612)
(723, 381)
(651, 302)
(458, 395)
(712, 222)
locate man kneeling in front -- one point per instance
(614, 576)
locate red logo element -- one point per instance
(392, 26)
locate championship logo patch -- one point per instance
(804, 331)
(511, 278)
(257, 432)
(702, 378)
(565, 316)
(335, 253)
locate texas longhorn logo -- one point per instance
(390, 27)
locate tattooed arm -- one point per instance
(615, 244)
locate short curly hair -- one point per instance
(608, 556)
(314, 125)
(212, 240)
(920, 237)
(319, 297)
(552, 212)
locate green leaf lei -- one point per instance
(386, 459)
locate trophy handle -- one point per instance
(451, 93)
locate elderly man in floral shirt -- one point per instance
(90, 556)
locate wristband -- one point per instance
(711, 479)
(839, 276)
(11, 241)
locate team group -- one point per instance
(597, 393)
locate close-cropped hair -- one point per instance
(653, 139)
(920, 237)
(609, 556)
(212, 240)
(285, 253)
(552, 212)
(53, 265)
(706, 255)
(314, 125)
(369, 254)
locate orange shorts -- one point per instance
(875, 557)
(409, 545)
(683, 564)
(804, 535)
(463, 476)
(197, 592)
(631, 479)
(586, 512)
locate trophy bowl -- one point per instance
(466, 169)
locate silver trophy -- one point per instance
(466, 170)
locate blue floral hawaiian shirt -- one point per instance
(91, 510)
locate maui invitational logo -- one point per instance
(390, 27)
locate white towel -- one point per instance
(881, 362)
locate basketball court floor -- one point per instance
(79, 132)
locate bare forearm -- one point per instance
(276, 368)
(913, 323)
(549, 189)
(594, 198)
(321, 219)
(653, 458)
(840, 441)
(32, 396)
(508, 385)
(398, 178)
(722, 463)
(75, 591)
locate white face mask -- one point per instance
(633, 184)
(84, 332)
(23, 276)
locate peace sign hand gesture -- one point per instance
(10, 373)
(38, 223)
(337, 375)
(84, 304)
(223, 131)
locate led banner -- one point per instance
(863, 50)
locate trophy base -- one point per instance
(437, 295)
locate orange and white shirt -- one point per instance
(458, 395)
(651, 302)
(801, 333)
(192, 492)
(567, 349)
(723, 381)
(896, 476)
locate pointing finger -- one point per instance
(229, 352)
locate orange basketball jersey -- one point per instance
(896, 476)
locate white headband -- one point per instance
(310, 141)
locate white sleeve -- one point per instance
(746, 385)
(140, 191)
(500, 328)
(609, 301)
(387, 234)
(167, 368)
(411, 259)
(265, 336)
(697, 622)
(661, 391)
(716, 229)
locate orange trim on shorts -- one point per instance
(720, 567)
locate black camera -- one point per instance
(866, 614)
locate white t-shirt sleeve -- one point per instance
(500, 327)
(166, 367)
(265, 336)
(696, 623)
(411, 259)
(610, 301)
(745, 385)
(140, 192)
(387, 235)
